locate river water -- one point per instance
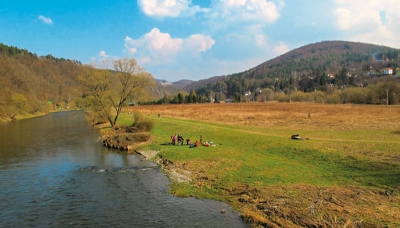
(54, 173)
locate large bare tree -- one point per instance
(111, 84)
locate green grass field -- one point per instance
(257, 156)
(262, 158)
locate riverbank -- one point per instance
(28, 116)
(346, 174)
(20, 117)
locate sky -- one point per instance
(192, 39)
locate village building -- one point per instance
(331, 75)
(387, 71)
(166, 83)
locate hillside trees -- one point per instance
(110, 90)
(29, 82)
(307, 68)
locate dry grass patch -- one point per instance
(286, 115)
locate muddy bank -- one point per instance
(174, 173)
(124, 138)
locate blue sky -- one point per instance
(183, 39)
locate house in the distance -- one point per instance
(166, 83)
(387, 71)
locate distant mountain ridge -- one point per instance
(182, 83)
(312, 60)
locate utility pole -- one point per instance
(387, 97)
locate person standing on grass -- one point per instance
(180, 140)
(173, 139)
(201, 139)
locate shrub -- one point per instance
(333, 98)
(355, 95)
(281, 97)
(141, 137)
(317, 96)
(142, 123)
(298, 96)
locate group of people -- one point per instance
(178, 140)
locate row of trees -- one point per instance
(235, 87)
(180, 98)
(387, 92)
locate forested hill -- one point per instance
(309, 68)
(31, 83)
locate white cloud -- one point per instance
(237, 13)
(281, 49)
(102, 53)
(199, 42)
(260, 39)
(45, 20)
(169, 8)
(157, 46)
(213, 67)
(362, 20)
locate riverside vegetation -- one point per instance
(346, 175)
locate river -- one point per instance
(54, 173)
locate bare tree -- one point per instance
(110, 89)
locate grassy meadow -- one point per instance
(344, 173)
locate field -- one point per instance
(343, 173)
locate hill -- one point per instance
(308, 68)
(200, 83)
(32, 83)
(181, 84)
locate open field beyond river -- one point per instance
(344, 173)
